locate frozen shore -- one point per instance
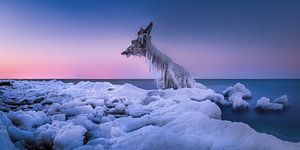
(89, 115)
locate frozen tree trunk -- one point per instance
(170, 74)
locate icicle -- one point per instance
(171, 75)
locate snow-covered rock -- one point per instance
(281, 100)
(264, 104)
(237, 88)
(237, 102)
(236, 95)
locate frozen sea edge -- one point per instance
(100, 115)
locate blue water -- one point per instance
(284, 125)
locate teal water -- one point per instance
(284, 125)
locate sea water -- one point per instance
(284, 124)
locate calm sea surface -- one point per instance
(284, 125)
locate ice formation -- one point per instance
(100, 115)
(279, 103)
(282, 100)
(237, 88)
(265, 104)
(237, 102)
(169, 74)
(236, 95)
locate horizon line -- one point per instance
(146, 78)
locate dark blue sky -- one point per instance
(213, 39)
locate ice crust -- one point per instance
(100, 115)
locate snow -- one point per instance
(28, 120)
(264, 104)
(69, 137)
(282, 100)
(60, 117)
(236, 95)
(237, 88)
(237, 101)
(5, 141)
(90, 115)
(4, 121)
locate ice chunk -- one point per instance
(83, 121)
(119, 109)
(60, 117)
(264, 104)
(82, 89)
(4, 121)
(5, 141)
(137, 110)
(69, 137)
(282, 100)
(17, 134)
(236, 95)
(149, 99)
(237, 88)
(28, 120)
(101, 131)
(129, 91)
(37, 107)
(46, 133)
(156, 93)
(129, 124)
(106, 143)
(237, 102)
(94, 102)
(22, 120)
(73, 110)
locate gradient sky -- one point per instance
(212, 39)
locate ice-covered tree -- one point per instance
(169, 73)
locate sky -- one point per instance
(216, 39)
